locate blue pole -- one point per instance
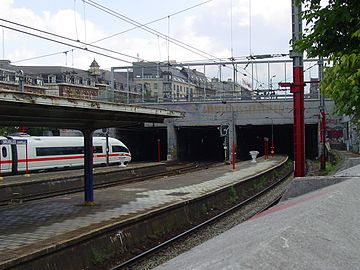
(88, 165)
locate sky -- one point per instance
(218, 28)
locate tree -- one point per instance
(333, 31)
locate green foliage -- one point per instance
(233, 194)
(4, 131)
(333, 31)
(204, 208)
(330, 29)
(99, 257)
(342, 83)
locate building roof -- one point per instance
(94, 64)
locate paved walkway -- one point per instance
(318, 230)
(36, 225)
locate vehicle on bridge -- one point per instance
(25, 153)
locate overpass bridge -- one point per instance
(183, 130)
(34, 110)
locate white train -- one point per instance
(29, 153)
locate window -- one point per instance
(4, 152)
(68, 79)
(58, 151)
(64, 150)
(119, 148)
(52, 79)
(155, 85)
(98, 149)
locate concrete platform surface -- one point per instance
(318, 230)
(33, 226)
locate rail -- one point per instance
(211, 220)
(171, 169)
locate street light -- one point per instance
(272, 136)
(271, 83)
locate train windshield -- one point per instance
(119, 148)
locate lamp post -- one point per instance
(271, 83)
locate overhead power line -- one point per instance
(151, 22)
(66, 38)
(119, 33)
(63, 43)
(150, 30)
(41, 56)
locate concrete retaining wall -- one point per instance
(303, 185)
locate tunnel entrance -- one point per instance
(201, 143)
(143, 142)
(251, 137)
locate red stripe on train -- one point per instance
(62, 158)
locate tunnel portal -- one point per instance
(200, 143)
(204, 143)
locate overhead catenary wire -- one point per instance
(41, 56)
(215, 60)
(62, 37)
(151, 22)
(119, 33)
(150, 30)
(63, 43)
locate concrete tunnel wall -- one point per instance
(260, 115)
(204, 143)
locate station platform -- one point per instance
(315, 230)
(37, 227)
(24, 186)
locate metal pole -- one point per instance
(127, 87)
(233, 137)
(142, 84)
(27, 158)
(204, 85)
(188, 91)
(107, 146)
(3, 42)
(158, 150)
(298, 93)
(158, 84)
(88, 167)
(322, 120)
(112, 83)
(272, 138)
(1, 178)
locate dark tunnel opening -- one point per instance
(200, 143)
(204, 143)
(143, 142)
(251, 137)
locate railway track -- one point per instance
(171, 169)
(131, 263)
